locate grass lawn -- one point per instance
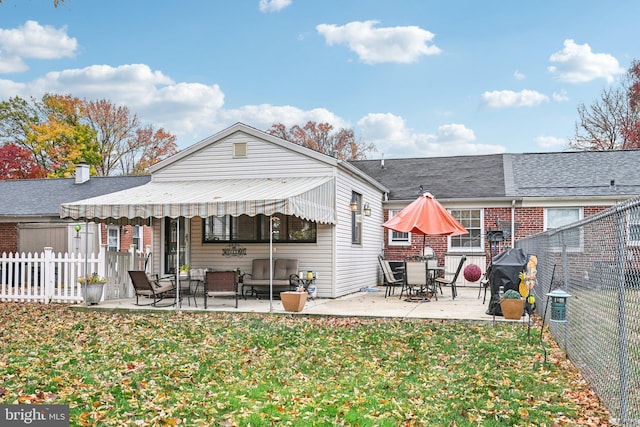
(230, 369)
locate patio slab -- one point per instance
(466, 307)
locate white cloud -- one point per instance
(33, 40)
(394, 140)
(519, 76)
(264, 115)
(376, 45)
(578, 64)
(560, 96)
(273, 5)
(509, 98)
(550, 142)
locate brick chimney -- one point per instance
(82, 173)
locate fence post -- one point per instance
(132, 257)
(102, 261)
(49, 274)
(622, 319)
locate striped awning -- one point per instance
(310, 198)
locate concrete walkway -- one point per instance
(466, 307)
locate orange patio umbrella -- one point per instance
(425, 215)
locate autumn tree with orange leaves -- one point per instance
(341, 144)
(61, 131)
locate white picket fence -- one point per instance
(48, 277)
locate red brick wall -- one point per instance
(8, 237)
(528, 221)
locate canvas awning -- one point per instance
(310, 198)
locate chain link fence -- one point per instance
(597, 261)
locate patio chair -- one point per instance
(442, 281)
(390, 279)
(285, 277)
(416, 280)
(220, 283)
(151, 288)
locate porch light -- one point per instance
(354, 205)
(367, 209)
(558, 305)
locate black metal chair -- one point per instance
(442, 281)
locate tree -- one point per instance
(18, 163)
(61, 131)
(320, 137)
(613, 121)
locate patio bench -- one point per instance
(285, 275)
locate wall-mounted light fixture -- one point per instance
(367, 209)
(354, 205)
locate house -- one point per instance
(501, 198)
(30, 214)
(243, 194)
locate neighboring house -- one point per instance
(30, 214)
(212, 206)
(501, 198)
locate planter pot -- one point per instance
(293, 301)
(93, 292)
(512, 309)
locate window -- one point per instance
(356, 219)
(251, 229)
(633, 228)
(398, 238)
(471, 219)
(559, 217)
(138, 237)
(113, 239)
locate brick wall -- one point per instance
(528, 221)
(8, 237)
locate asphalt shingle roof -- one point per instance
(445, 177)
(43, 197)
(557, 174)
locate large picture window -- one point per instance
(255, 229)
(471, 219)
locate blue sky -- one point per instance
(417, 78)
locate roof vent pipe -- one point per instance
(82, 173)
(612, 184)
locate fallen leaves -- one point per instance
(247, 369)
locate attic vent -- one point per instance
(239, 149)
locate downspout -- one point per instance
(513, 223)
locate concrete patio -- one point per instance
(372, 303)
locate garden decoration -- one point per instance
(472, 273)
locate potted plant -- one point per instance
(294, 300)
(92, 287)
(512, 304)
(184, 269)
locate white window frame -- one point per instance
(480, 247)
(138, 236)
(548, 226)
(392, 241)
(633, 220)
(116, 238)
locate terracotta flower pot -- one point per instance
(512, 309)
(293, 301)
